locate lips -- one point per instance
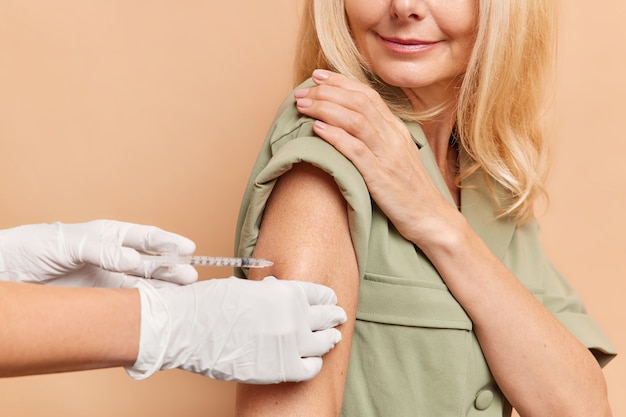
(399, 45)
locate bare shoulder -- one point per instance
(305, 224)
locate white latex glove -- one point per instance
(233, 329)
(99, 253)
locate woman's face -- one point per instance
(414, 44)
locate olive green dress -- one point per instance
(414, 351)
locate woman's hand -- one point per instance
(353, 118)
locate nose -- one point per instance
(408, 9)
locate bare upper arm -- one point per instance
(305, 232)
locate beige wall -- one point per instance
(152, 111)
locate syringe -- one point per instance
(171, 260)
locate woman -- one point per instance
(453, 308)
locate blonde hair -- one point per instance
(501, 105)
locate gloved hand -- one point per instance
(232, 329)
(99, 253)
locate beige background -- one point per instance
(153, 111)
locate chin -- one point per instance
(405, 82)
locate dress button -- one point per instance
(483, 399)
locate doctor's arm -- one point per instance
(54, 329)
(305, 232)
(192, 327)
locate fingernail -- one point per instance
(303, 102)
(303, 92)
(320, 125)
(320, 74)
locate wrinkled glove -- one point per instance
(100, 253)
(232, 329)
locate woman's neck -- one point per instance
(441, 100)
(438, 133)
